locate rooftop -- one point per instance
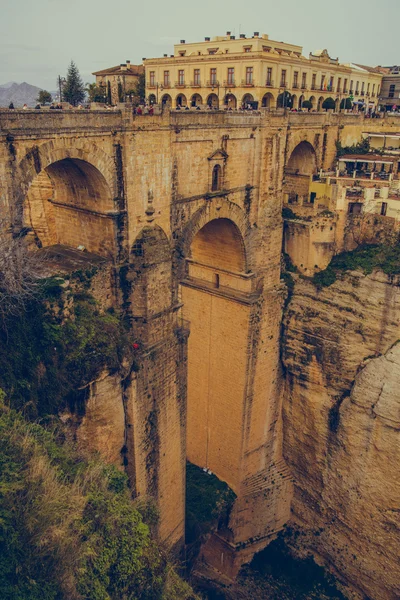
(123, 68)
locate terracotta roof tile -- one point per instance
(130, 70)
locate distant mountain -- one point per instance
(19, 94)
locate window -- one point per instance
(166, 79)
(247, 49)
(345, 86)
(181, 77)
(231, 76)
(216, 178)
(249, 75)
(339, 83)
(368, 86)
(392, 90)
(152, 78)
(304, 81)
(296, 79)
(384, 208)
(362, 87)
(373, 89)
(313, 195)
(314, 81)
(196, 77)
(283, 78)
(357, 86)
(269, 76)
(322, 81)
(351, 86)
(213, 76)
(331, 84)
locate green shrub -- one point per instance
(365, 258)
(68, 527)
(328, 104)
(45, 361)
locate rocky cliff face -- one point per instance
(342, 428)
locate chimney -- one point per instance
(207, 39)
(143, 59)
(243, 36)
(256, 33)
(228, 33)
(165, 55)
(233, 37)
(128, 62)
(123, 66)
(182, 41)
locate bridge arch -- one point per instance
(214, 210)
(65, 195)
(303, 159)
(214, 302)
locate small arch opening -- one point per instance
(216, 178)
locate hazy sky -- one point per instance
(38, 38)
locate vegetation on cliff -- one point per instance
(365, 258)
(56, 346)
(68, 526)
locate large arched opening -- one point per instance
(230, 101)
(70, 203)
(212, 101)
(302, 164)
(213, 302)
(268, 101)
(196, 100)
(181, 100)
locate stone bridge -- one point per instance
(187, 208)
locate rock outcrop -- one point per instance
(342, 428)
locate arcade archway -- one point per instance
(70, 203)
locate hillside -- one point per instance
(19, 94)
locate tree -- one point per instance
(20, 272)
(346, 103)
(95, 93)
(307, 104)
(44, 97)
(328, 104)
(74, 89)
(285, 100)
(120, 92)
(140, 88)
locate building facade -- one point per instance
(117, 82)
(390, 93)
(230, 72)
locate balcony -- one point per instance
(314, 86)
(362, 93)
(229, 83)
(180, 84)
(295, 86)
(195, 84)
(338, 90)
(166, 85)
(304, 86)
(344, 91)
(152, 86)
(212, 83)
(283, 83)
(269, 83)
(247, 83)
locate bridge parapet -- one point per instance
(23, 121)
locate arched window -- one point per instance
(216, 178)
